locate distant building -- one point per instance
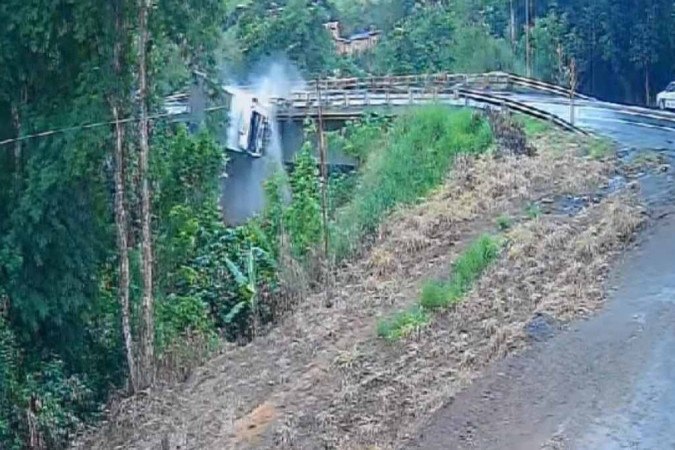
(356, 43)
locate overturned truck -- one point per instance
(251, 123)
(248, 121)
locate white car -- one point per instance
(666, 99)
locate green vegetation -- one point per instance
(504, 222)
(534, 127)
(533, 210)
(76, 276)
(442, 294)
(61, 340)
(435, 294)
(414, 158)
(600, 148)
(402, 324)
(625, 41)
(466, 270)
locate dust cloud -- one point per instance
(243, 189)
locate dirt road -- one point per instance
(607, 383)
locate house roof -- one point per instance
(363, 35)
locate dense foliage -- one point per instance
(624, 50)
(65, 63)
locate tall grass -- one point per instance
(468, 268)
(412, 159)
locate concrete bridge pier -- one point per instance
(242, 190)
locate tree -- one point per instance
(147, 332)
(644, 43)
(295, 31)
(552, 41)
(65, 268)
(418, 44)
(121, 224)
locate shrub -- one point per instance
(434, 294)
(303, 217)
(215, 278)
(340, 190)
(533, 210)
(504, 222)
(57, 402)
(178, 315)
(9, 384)
(360, 137)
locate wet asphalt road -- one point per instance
(628, 130)
(607, 382)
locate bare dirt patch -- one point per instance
(250, 427)
(323, 377)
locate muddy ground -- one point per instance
(323, 379)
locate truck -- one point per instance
(253, 129)
(666, 99)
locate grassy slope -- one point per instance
(415, 158)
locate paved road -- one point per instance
(607, 383)
(602, 118)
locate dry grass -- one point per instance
(381, 400)
(332, 384)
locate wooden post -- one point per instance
(324, 173)
(573, 87)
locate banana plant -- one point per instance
(247, 285)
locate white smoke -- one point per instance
(243, 191)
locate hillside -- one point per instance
(325, 379)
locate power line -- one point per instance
(98, 125)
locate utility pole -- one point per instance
(324, 171)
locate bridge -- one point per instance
(338, 100)
(349, 98)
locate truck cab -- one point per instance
(252, 128)
(666, 99)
